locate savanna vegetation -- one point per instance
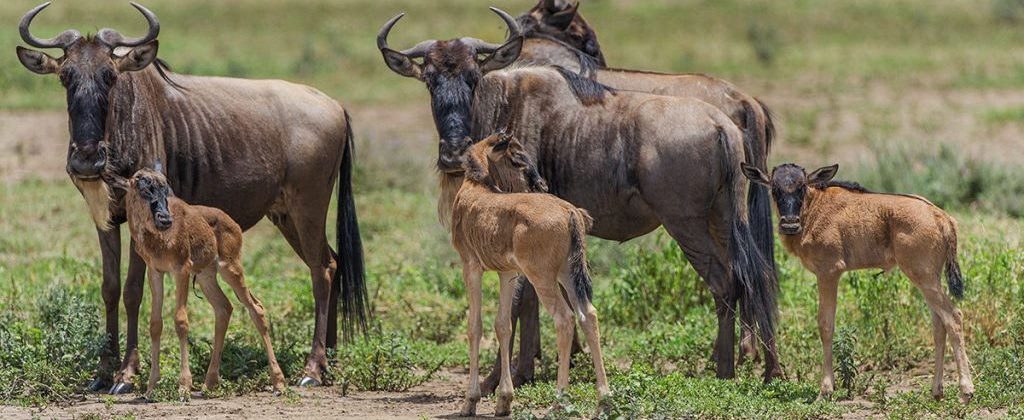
(909, 95)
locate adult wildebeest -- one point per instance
(556, 33)
(635, 161)
(499, 225)
(834, 227)
(252, 148)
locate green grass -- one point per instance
(329, 44)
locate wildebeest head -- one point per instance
(451, 70)
(151, 187)
(500, 162)
(560, 19)
(88, 70)
(789, 183)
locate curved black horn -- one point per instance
(64, 40)
(417, 51)
(513, 26)
(484, 47)
(113, 38)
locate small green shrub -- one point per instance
(385, 362)
(844, 347)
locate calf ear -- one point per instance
(401, 64)
(754, 174)
(138, 58)
(822, 175)
(37, 61)
(503, 56)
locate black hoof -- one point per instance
(97, 385)
(307, 381)
(121, 388)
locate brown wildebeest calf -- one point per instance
(497, 226)
(175, 237)
(835, 226)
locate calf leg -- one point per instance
(181, 327)
(827, 289)
(591, 331)
(156, 327)
(222, 314)
(526, 311)
(503, 329)
(233, 275)
(471, 274)
(953, 323)
(939, 334)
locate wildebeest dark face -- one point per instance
(789, 183)
(88, 70)
(560, 19)
(451, 70)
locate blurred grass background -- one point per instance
(908, 95)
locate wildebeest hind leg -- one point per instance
(700, 247)
(304, 228)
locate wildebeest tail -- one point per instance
(759, 207)
(354, 300)
(954, 278)
(750, 270)
(579, 223)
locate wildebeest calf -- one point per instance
(834, 227)
(175, 237)
(498, 227)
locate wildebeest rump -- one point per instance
(253, 148)
(634, 160)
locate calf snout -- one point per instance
(789, 225)
(162, 220)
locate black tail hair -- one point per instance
(351, 274)
(578, 271)
(750, 270)
(759, 206)
(954, 278)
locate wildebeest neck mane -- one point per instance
(588, 91)
(847, 185)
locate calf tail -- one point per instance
(750, 269)
(757, 136)
(954, 278)
(579, 223)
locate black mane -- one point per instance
(588, 91)
(848, 185)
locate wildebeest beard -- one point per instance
(451, 96)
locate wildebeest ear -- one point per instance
(562, 19)
(503, 56)
(401, 64)
(754, 174)
(138, 58)
(37, 61)
(823, 175)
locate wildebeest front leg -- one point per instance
(110, 248)
(526, 315)
(124, 381)
(828, 285)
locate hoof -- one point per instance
(97, 385)
(308, 381)
(122, 388)
(966, 398)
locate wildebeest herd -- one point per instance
(540, 143)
